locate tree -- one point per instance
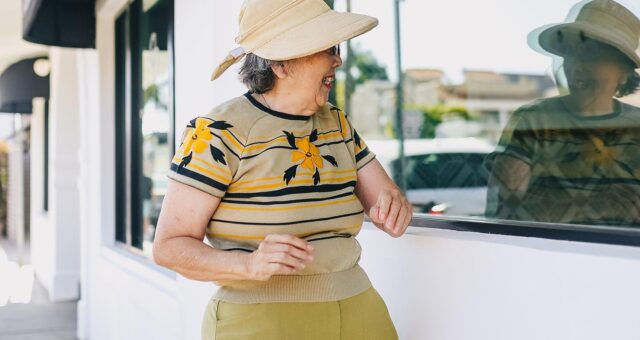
(367, 66)
(434, 115)
(364, 66)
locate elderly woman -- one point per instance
(575, 158)
(279, 180)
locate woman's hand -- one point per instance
(392, 212)
(278, 255)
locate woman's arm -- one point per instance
(179, 246)
(385, 205)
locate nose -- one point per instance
(337, 61)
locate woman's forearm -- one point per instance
(196, 260)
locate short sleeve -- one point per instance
(204, 159)
(518, 138)
(363, 155)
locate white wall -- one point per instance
(438, 284)
(450, 285)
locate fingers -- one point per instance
(279, 255)
(289, 239)
(392, 212)
(295, 252)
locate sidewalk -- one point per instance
(40, 319)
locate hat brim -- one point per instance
(318, 34)
(548, 38)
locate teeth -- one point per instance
(328, 80)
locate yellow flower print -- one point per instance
(598, 153)
(306, 155)
(197, 138)
(309, 153)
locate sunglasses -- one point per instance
(334, 50)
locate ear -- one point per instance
(280, 69)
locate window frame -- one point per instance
(553, 231)
(128, 123)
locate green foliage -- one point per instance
(367, 66)
(434, 115)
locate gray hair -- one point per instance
(256, 73)
(631, 86)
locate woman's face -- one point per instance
(596, 70)
(312, 77)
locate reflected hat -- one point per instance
(603, 20)
(288, 29)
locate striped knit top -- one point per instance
(572, 158)
(278, 173)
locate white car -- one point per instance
(443, 175)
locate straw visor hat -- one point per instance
(288, 29)
(603, 20)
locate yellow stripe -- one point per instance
(315, 205)
(295, 181)
(343, 124)
(226, 171)
(222, 180)
(233, 140)
(322, 173)
(262, 237)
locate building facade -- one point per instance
(448, 278)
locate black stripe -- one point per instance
(241, 249)
(227, 146)
(288, 147)
(288, 202)
(367, 162)
(198, 177)
(362, 154)
(236, 138)
(293, 190)
(331, 143)
(269, 141)
(290, 223)
(273, 112)
(265, 150)
(341, 235)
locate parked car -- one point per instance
(442, 175)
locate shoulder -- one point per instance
(238, 114)
(544, 106)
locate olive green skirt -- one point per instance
(364, 316)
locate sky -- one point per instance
(453, 35)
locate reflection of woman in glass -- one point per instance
(278, 180)
(576, 158)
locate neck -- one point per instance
(289, 101)
(594, 106)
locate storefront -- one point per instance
(119, 106)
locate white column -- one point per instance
(15, 187)
(88, 183)
(55, 246)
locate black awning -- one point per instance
(19, 84)
(65, 23)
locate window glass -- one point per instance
(156, 111)
(510, 110)
(144, 118)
